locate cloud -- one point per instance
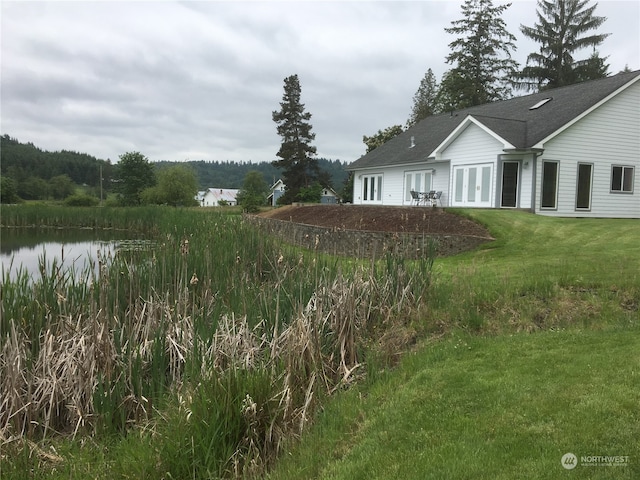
(200, 80)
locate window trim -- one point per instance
(622, 190)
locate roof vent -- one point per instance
(413, 142)
(541, 103)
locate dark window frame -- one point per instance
(555, 186)
(579, 187)
(626, 171)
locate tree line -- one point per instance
(30, 173)
(483, 70)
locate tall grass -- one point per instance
(215, 339)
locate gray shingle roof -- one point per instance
(512, 119)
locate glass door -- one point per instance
(472, 186)
(509, 196)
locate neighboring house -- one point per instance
(276, 191)
(215, 197)
(329, 195)
(572, 152)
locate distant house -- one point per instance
(215, 197)
(571, 151)
(276, 191)
(329, 195)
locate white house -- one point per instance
(277, 190)
(215, 197)
(571, 151)
(328, 195)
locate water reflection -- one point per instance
(75, 251)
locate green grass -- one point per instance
(527, 348)
(478, 407)
(532, 351)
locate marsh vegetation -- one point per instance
(208, 351)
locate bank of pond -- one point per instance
(214, 338)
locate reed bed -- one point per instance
(216, 341)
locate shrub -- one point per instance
(81, 200)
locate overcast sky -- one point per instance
(200, 80)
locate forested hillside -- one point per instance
(35, 174)
(232, 174)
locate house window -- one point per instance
(583, 190)
(549, 185)
(621, 179)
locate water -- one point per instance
(74, 249)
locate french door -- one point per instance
(472, 186)
(372, 188)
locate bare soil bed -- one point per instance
(380, 219)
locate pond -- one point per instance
(77, 249)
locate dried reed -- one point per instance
(256, 345)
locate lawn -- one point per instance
(530, 350)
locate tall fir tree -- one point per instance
(300, 168)
(481, 56)
(424, 101)
(562, 30)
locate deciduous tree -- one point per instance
(133, 174)
(61, 186)
(177, 186)
(382, 137)
(8, 190)
(254, 191)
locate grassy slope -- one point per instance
(505, 404)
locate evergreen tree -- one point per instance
(424, 101)
(481, 55)
(562, 31)
(452, 92)
(299, 167)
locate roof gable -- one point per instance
(466, 123)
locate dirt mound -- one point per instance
(379, 219)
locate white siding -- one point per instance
(526, 182)
(610, 135)
(474, 146)
(393, 182)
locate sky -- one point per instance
(199, 80)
